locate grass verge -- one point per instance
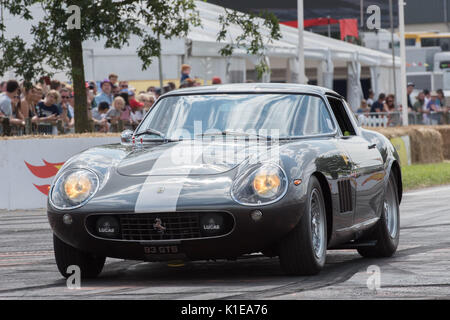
(425, 175)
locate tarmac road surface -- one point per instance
(419, 270)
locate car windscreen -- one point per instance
(274, 115)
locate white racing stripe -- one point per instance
(161, 193)
(170, 172)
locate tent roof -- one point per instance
(204, 42)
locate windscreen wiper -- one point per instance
(150, 131)
(154, 132)
(234, 133)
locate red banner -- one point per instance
(311, 22)
(349, 27)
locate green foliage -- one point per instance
(257, 32)
(117, 21)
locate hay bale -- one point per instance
(426, 142)
(426, 145)
(445, 133)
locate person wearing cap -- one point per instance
(409, 90)
(418, 106)
(136, 114)
(106, 95)
(434, 106)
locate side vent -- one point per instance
(345, 195)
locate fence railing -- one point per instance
(370, 119)
(395, 118)
(10, 129)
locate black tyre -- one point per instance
(387, 230)
(66, 255)
(303, 251)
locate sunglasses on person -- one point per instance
(124, 86)
(65, 97)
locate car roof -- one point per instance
(255, 88)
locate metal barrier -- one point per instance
(394, 119)
(9, 129)
(369, 119)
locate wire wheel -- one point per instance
(390, 210)
(317, 224)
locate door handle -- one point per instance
(372, 146)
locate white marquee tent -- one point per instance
(326, 59)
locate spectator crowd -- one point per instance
(428, 107)
(48, 106)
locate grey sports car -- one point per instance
(222, 171)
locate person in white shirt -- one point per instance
(6, 98)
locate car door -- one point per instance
(333, 162)
(366, 163)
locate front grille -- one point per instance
(172, 225)
(184, 225)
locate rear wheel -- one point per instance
(387, 230)
(66, 255)
(303, 250)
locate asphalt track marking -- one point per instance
(26, 253)
(418, 270)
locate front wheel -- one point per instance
(303, 251)
(66, 255)
(387, 230)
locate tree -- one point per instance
(58, 39)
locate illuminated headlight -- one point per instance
(74, 188)
(259, 185)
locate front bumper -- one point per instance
(246, 236)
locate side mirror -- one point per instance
(125, 136)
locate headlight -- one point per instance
(74, 188)
(260, 185)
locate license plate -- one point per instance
(171, 249)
